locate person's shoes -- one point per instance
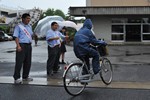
(27, 79)
(60, 62)
(18, 81)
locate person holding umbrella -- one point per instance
(63, 47)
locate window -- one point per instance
(117, 28)
(146, 32)
(146, 28)
(117, 32)
(146, 36)
(117, 37)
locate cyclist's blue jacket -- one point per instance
(83, 38)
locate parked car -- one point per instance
(7, 37)
(2, 36)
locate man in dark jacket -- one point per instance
(82, 46)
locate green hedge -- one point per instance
(71, 33)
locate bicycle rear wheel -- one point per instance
(106, 72)
(71, 79)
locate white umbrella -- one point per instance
(69, 24)
(44, 21)
(47, 26)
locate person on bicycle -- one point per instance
(82, 46)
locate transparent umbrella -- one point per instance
(44, 22)
(47, 26)
(69, 24)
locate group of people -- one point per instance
(56, 47)
(23, 37)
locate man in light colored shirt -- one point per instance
(53, 39)
(23, 38)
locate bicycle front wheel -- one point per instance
(71, 79)
(106, 72)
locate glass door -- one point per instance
(133, 33)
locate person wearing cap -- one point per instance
(23, 38)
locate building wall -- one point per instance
(118, 2)
(102, 27)
(88, 2)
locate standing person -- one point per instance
(23, 38)
(53, 39)
(63, 47)
(35, 39)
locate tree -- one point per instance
(5, 28)
(59, 13)
(49, 12)
(52, 12)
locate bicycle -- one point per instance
(73, 79)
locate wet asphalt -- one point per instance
(131, 63)
(31, 92)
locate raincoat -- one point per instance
(83, 38)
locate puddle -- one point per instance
(10, 51)
(130, 54)
(136, 54)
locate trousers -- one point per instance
(53, 59)
(23, 58)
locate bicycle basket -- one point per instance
(103, 51)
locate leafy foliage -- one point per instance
(52, 12)
(5, 29)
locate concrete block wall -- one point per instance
(102, 27)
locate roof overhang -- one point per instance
(123, 10)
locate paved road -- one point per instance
(131, 64)
(31, 92)
(125, 55)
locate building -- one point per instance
(118, 20)
(11, 17)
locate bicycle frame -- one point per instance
(87, 75)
